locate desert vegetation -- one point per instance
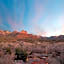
(27, 52)
(31, 49)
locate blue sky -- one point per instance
(42, 17)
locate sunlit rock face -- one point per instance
(23, 32)
(4, 32)
(7, 32)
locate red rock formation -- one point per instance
(24, 32)
(7, 32)
(15, 31)
(4, 32)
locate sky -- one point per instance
(41, 17)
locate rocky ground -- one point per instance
(38, 53)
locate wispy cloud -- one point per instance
(42, 17)
(39, 11)
(14, 18)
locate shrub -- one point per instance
(8, 50)
(21, 54)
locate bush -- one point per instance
(8, 50)
(21, 54)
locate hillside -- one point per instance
(27, 48)
(25, 36)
